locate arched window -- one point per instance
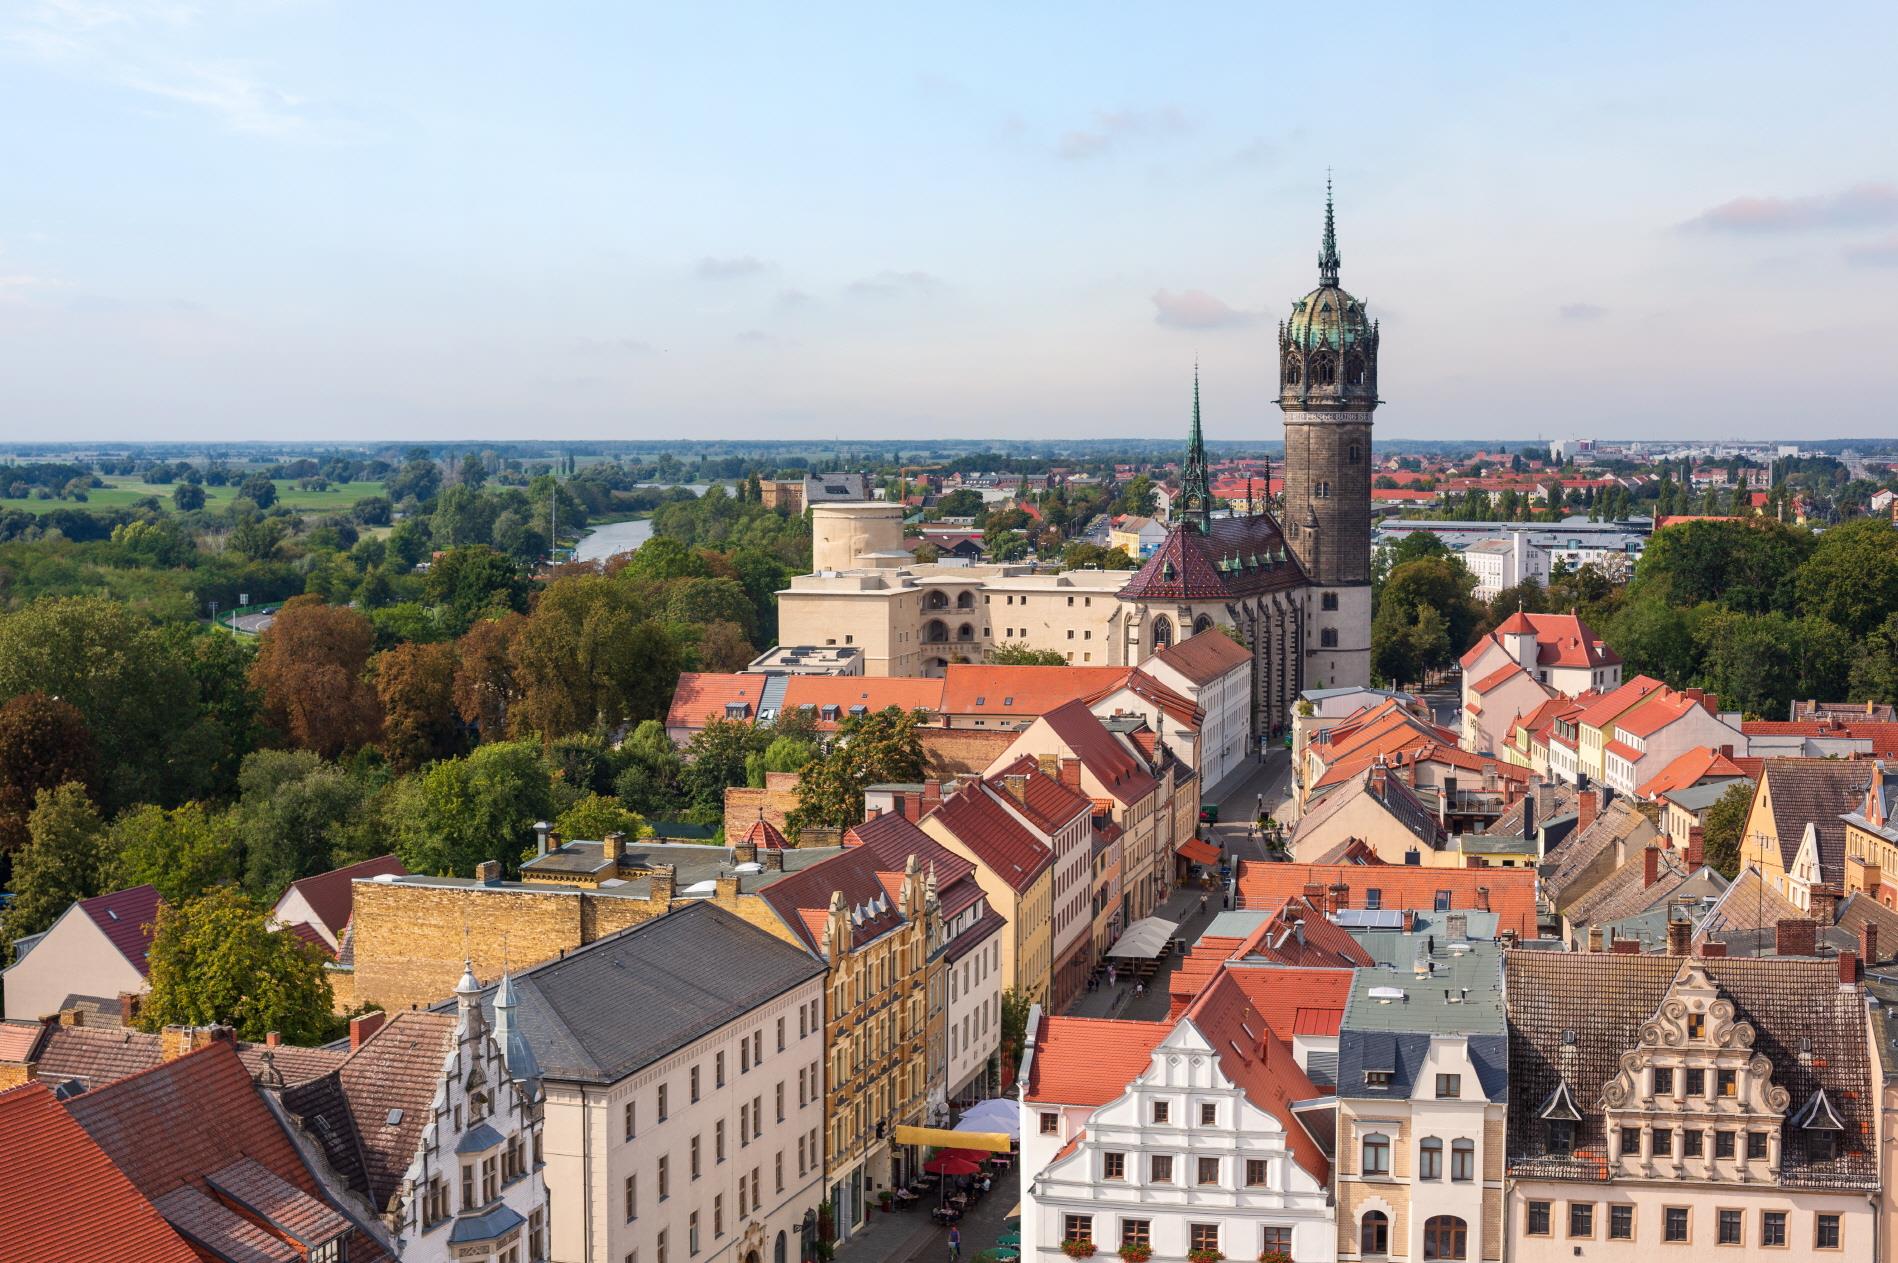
(778, 1254)
(1377, 1154)
(1354, 371)
(1162, 632)
(1202, 623)
(936, 601)
(1445, 1237)
(935, 631)
(1463, 1160)
(1323, 371)
(966, 601)
(1357, 454)
(1291, 371)
(1430, 1152)
(1374, 1234)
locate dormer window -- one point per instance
(1377, 1078)
(1560, 1137)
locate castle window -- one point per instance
(1357, 454)
(1328, 638)
(1291, 372)
(1323, 372)
(1328, 601)
(1162, 632)
(1321, 491)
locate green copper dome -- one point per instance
(1328, 317)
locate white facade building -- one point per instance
(1203, 1149)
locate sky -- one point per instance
(293, 219)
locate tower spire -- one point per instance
(1196, 500)
(1328, 256)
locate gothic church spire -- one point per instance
(1328, 256)
(1196, 500)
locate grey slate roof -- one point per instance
(1402, 1054)
(612, 1007)
(1461, 995)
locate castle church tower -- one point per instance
(1328, 391)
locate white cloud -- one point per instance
(1196, 309)
(1114, 128)
(1862, 205)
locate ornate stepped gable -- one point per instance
(1790, 1036)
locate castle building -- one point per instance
(1296, 589)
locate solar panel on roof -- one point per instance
(1369, 918)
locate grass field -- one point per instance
(121, 492)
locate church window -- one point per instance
(1357, 454)
(1354, 371)
(1324, 372)
(1162, 632)
(1291, 372)
(1328, 601)
(1328, 638)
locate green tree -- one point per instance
(1654, 638)
(64, 859)
(463, 811)
(294, 813)
(1007, 546)
(1874, 674)
(1016, 653)
(585, 661)
(214, 960)
(44, 743)
(416, 686)
(1081, 555)
(874, 748)
(259, 490)
(139, 699)
(1723, 826)
(1851, 578)
(1748, 566)
(183, 852)
(1136, 496)
(475, 582)
(1443, 584)
(474, 471)
(715, 760)
(595, 816)
(187, 497)
(309, 671)
(462, 517)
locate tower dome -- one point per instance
(1328, 348)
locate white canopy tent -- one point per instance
(1145, 939)
(997, 1114)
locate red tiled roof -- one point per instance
(1049, 805)
(700, 697)
(65, 1202)
(1297, 1000)
(1512, 891)
(1882, 735)
(1689, 768)
(1206, 656)
(764, 834)
(1115, 767)
(1496, 677)
(1618, 701)
(1001, 843)
(1178, 708)
(1187, 565)
(987, 689)
(1562, 640)
(1657, 713)
(175, 1125)
(802, 899)
(329, 894)
(1299, 934)
(127, 919)
(1089, 1060)
(1259, 1063)
(310, 936)
(874, 693)
(17, 1040)
(1622, 750)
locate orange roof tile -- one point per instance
(1205, 656)
(1690, 768)
(987, 689)
(701, 696)
(65, 1202)
(1089, 1060)
(1511, 891)
(1259, 1063)
(1618, 701)
(873, 693)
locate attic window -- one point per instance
(395, 1118)
(1373, 899)
(981, 701)
(1008, 701)
(1377, 1078)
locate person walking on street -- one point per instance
(955, 1244)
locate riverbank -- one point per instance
(610, 539)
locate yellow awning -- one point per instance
(943, 1138)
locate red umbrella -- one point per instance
(949, 1163)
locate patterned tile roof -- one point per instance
(701, 696)
(1573, 1015)
(1241, 557)
(1690, 767)
(848, 693)
(65, 1202)
(1113, 764)
(97, 1055)
(1819, 791)
(856, 873)
(990, 689)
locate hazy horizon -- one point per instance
(300, 221)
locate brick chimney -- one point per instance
(1586, 805)
(1626, 947)
(72, 1017)
(361, 1028)
(1848, 969)
(176, 1041)
(660, 883)
(932, 796)
(272, 1039)
(1337, 897)
(1796, 936)
(1679, 935)
(1696, 848)
(1650, 865)
(1868, 943)
(1825, 905)
(1482, 898)
(726, 888)
(747, 853)
(613, 847)
(1016, 783)
(488, 872)
(541, 830)
(1594, 938)
(773, 860)
(1710, 950)
(1380, 777)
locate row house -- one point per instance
(877, 935)
(1382, 729)
(1558, 651)
(682, 1080)
(965, 977)
(1015, 870)
(1375, 813)
(1063, 821)
(1195, 1140)
(1651, 737)
(1669, 1104)
(1795, 831)
(1136, 783)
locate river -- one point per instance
(612, 539)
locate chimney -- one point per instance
(1529, 815)
(746, 853)
(362, 1027)
(488, 872)
(1679, 935)
(1594, 938)
(1696, 848)
(1650, 865)
(1825, 905)
(1585, 805)
(1457, 926)
(176, 1041)
(1848, 969)
(726, 888)
(1796, 936)
(1482, 898)
(660, 883)
(613, 846)
(1380, 777)
(773, 860)
(541, 831)
(131, 1004)
(1016, 783)
(272, 1039)
(1868, 943)
(932, 795)
(1337, 897)
(1626, 947)
(72, 1017)
(1710, 950)
(1410, 920)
